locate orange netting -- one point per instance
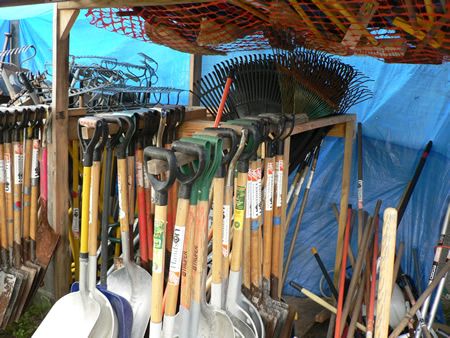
(409, 31)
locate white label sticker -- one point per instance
(18, 164)
(254, 199)
(360, 194)
(2, 171)
(146, 180)
(299, 185)
(248, 196)
(35, 160)
(8, 180)
(76, 220)
(119, 195)
(258, 192)
(269, 187)
(177, 255)
(139, 174)
(226, 230)
(280, 169)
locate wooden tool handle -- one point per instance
(35, 175)
(200, 242)
(93, 207)
(27, 188)
(227, 207)
(159, 244)
(176, 257)
(17, 165)
(131, 188)
(218, 183)
(387, 256)
(269, 164)
(188, 258)
(3, 228)
(255, 245)
(123, 194)
(246, 242)
(85, 210)
(143, 236)
(238, 225)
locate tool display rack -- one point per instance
(63, 121)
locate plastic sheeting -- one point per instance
(36, 28)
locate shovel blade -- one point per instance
(18, 287)
(72, 309)
(7, 283)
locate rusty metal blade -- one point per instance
(7, 283)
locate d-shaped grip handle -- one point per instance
(161, 186)
(186, 181)
(90, 122)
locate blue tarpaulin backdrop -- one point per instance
(411, 105)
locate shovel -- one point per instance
(30, 269)
(206, 320)
(82, 306)
(7, 278)
(12, 233)
(106, 325)
(131, 281)
(161, 196)
(184, 193)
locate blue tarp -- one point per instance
(411, 105)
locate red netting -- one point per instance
(397, 31)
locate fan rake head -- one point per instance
(300, 81)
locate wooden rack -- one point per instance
(65, 14)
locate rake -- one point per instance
(300, 81)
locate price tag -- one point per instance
(240, 206)
(269, 187)
(177, 255)
(2, 171)
(18, 164)
(139, 174)
(8, 179)
(279, 169)
(226, 230)
(35, 160)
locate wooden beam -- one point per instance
(195, 73)
(58, 170)
(345, 190)
(79, 4)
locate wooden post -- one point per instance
(58, 171)
(346, 171)
(195, 73)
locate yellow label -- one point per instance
(158, 245)
(239, 212)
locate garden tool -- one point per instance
(8, 277)
(84, 309)
(188, 253)
(17, 143)
(218, 290)
(13, 232)
(160, 187)
(236, 302)
(121, 306)
(206, 320)
(107, 325)
(45, 237)
(300, 214)
(76, 206)
(184, 193)
(273, 313)
(130, 281)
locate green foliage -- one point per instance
(29, 321)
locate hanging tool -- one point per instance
(206, 320)
(186, 181)
(8, 277)
(83, 308)
(131, 281)
(160, 187)
(236, 302)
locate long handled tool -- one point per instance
(18, 169)
(131, 281)
(22, 276)
(186, 181)
(236, 302)
(300, 214)
(207, 320)
(121, 306)
(106, 325)
(7, 277)
(159, 236)
(83, 308)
